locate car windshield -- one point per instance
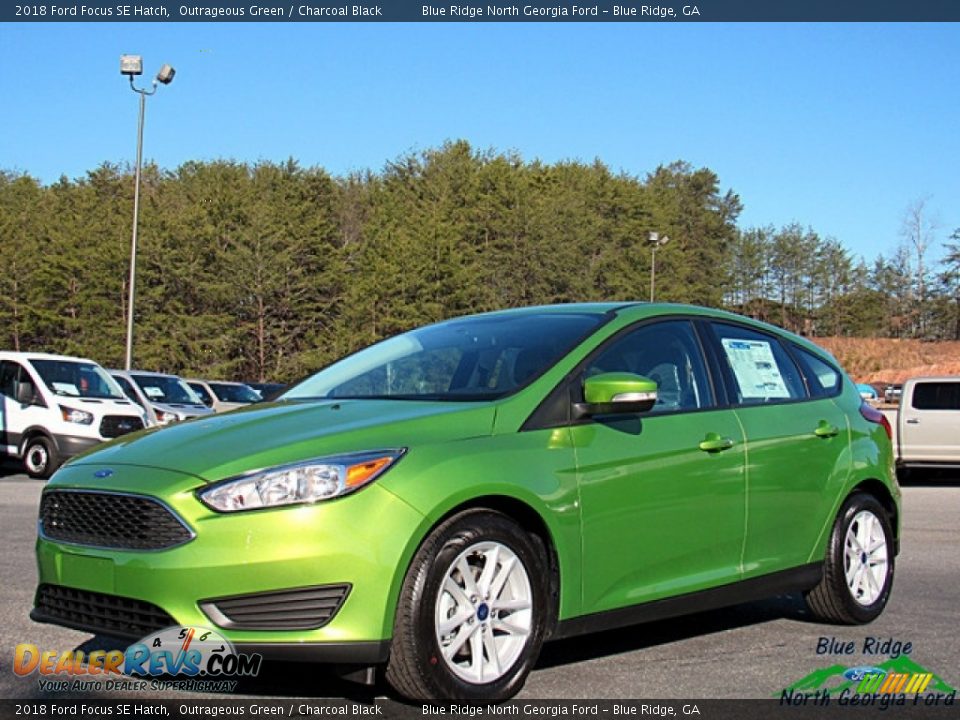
(475, 358)
(166, 389)
(234, 393)
(71, 378)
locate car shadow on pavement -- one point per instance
(275, 679)
(8, 468)
(287, 679)
(661, 632)
(932, 477)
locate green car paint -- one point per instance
(633, 508)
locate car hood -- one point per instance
(188, 409)
(268, 434)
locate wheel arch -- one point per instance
(521, 512)
(874, 487)
(36, 431)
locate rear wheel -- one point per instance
(858, 570)
(40, 458)
(472, 611)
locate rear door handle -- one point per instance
(714, 442)
(913, 421)
(826, 430)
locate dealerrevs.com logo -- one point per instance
(202, 656)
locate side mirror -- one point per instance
(616, 393)
(27, 394)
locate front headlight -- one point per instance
(165, 418)
(73, 415)
(304, 482)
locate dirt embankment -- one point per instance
(883, 360)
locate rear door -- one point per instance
(796, 438)
(930, 422)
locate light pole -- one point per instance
(656, 240)
(131, 66)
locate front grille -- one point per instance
(98, 612)
(113, 426)
(300, 609)
(110, 520)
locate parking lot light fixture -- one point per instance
(131, 66)
(656, 240)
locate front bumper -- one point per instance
(359, 540)
(70, 445)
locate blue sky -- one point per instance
(838, 127)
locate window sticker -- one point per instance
(153, 392)
(755, 368)
(62, 388)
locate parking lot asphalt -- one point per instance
(748, 651)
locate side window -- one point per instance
(761, 369)
(8, 376)
(128, 389)
(667, 352)
(936, 396)
(202, 392)
(11, 376)
(823, 380)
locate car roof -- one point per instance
(208, 382)
(20, 355)
(143, 372)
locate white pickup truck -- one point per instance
(926, 425)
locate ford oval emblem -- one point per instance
(103, 473)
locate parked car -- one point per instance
(867, 392)
(268, 391)
(165, 398)
(223, 395)
(446, 500)
(926, 424)
(53, 407)
(892, 392)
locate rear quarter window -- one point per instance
(823, 379)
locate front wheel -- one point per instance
(40, 457)
(472, 611)
(858, 570)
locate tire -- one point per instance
(460, 633)
(857, 580)
(40, 457)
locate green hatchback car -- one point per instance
(443, 502)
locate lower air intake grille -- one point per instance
(98, 612)
(300, 609)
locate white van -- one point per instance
(53, 407)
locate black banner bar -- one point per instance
(498, 11)
(189, 707)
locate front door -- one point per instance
(662, 494)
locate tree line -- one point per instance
(268, 271)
